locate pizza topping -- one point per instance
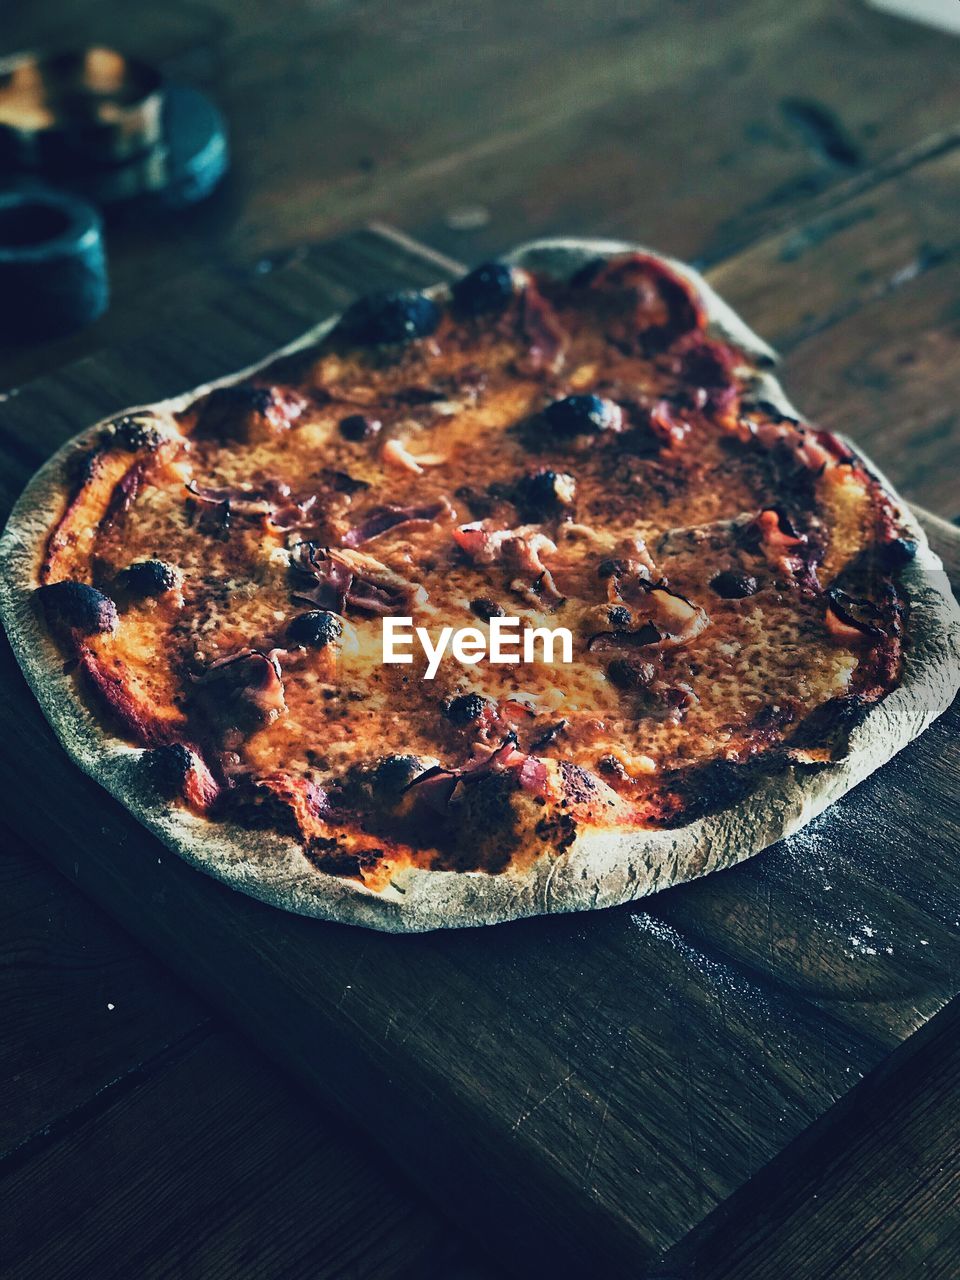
(545, 493)
(398, 455)
(545, 339)
(379, 520)
(486, 608)
(135, 432)
(394, 773)
(487, 290)
(79, 606)
(315, 629)
(730, 585)
(785, 549)
(333, 577)
(467, 708)
(176, 771)
(246, 412)
(582, 415)
(519, 550)
(666, 619)
(851, 621)
(899, 552)
(243, 691)
(149, 578)
(662, 304)
(388, 317)
(357, 427)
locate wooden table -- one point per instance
(819, 182)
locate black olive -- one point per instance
(733, 586)
(545, 493)
(168, 768)
(486, 608)
(356, 427)
(315, 630)
(136, 433)
(149, 577)
(487, 288)
(389, 317)
(898, 552)
(80, 606)
(619, 616)
(581, 415)
(465, 709)
(393, 773)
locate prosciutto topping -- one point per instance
(664, 306)
(666, 619)
(438, 788)
(379, 520)
(243, 691)
(335, 577)
(519, 550)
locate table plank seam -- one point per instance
(105, 1097)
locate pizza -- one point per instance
(523, 594)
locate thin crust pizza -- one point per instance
(267, 615)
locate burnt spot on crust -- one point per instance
(388, 317)
(831, 724)
(78, 606)
(328, 855)
(482, 832)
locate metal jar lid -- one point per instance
(67, 110)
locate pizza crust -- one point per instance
(601, 868)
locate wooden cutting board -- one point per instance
(583, 1091)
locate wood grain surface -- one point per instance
(596, 1085)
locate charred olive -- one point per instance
(486, 608)
(357, 427)
(545, 493)
(393, 773)
(733, 586)
(488, 288)
(149, 577)
(136, 433)
(389, 317)
(581, 415)
(619, 616)
(79, 606)
(168, 768)
(315, 629)
(466, 708)
(899, 552)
